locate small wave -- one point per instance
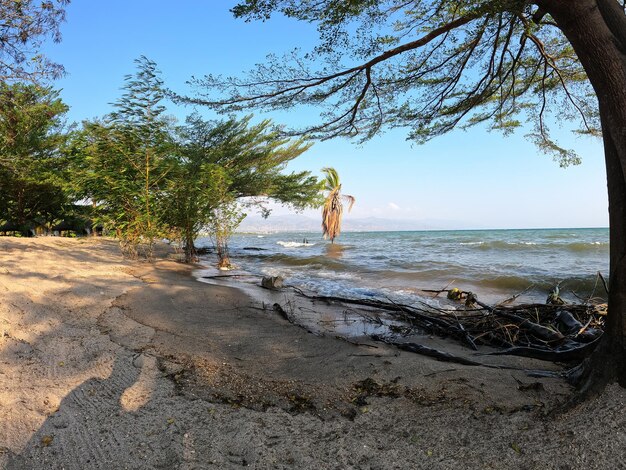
(314, 262)
(507, 283)
(334, 275)
(503, 245)
(294, 244)
(591, 246)
(425, 275)
(540, 283)
(522, 245)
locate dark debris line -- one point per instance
(556, 332)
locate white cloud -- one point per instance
(394, 206)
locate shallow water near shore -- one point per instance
(494, 264)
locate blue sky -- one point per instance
(472, 179)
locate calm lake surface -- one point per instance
(494, 264)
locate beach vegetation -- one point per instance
(431, 67)
(332, 210)
(149, 178)
(221, 162)
(122, 162)
(32, 138)
(223, 222)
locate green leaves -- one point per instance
(332, 179)
(426, 66)
(221, 162)
(150, 179)
(31, 159)
(126, 159)
(25, 24)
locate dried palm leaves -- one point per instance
(332, 211)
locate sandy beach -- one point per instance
(107, 363)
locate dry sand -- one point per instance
(109, 364)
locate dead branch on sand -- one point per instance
(558, 332)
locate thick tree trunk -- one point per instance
(597, 31)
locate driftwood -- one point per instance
(282, 312)
(572, 353)
(431, 352)
(550, 332)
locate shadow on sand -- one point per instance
(90, 427)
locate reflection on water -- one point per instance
(335, 250)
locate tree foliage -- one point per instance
(150, 178)
(125, 160)
(221, 162)
(223, 221)
(428, 66)
(31, 158)
(24, 25)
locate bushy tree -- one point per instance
(222, 162)
(222, 223)
(123, 162)
(31, 157)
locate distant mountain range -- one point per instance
(301, 223)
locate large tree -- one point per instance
(433, 65)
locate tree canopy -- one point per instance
(31, 155)
(24, 25)
(428, 66)
(150, 178)
(221, 162)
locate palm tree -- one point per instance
(333, 206)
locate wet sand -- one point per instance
(107, 363)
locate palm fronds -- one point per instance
(332, 211)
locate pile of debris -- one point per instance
(555, 331)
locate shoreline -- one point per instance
(399, 265)
(109, 362)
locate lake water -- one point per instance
(494, 264)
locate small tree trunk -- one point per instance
(222, 253)
(191, 255)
